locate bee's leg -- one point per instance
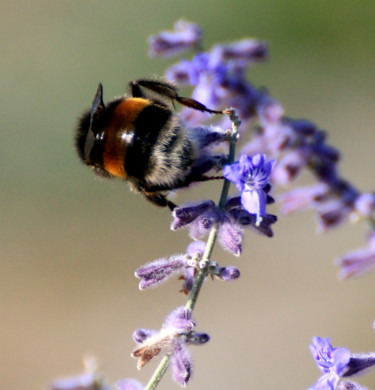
(169, 91)
(206, 163)
(159, 199)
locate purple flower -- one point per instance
(175, 335)
(332, 213)
(302, 197)
(290, 166)
(187, 35)
(200, 217)
(358, 262)
(332, 362)
(80, 382)
(219, 79)
(158, 271)
(251, 175)
(365, 204)
(129, 384)
(248, 50)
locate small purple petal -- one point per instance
(188, 213)
(229, 273)
(230, 237)
(159, 270)
(181, 363)
(189, 278)
(140, 335)
(194, 247)
(365, 204)
(197, 338)
(180, 318)
(254, 201)
(356, 263)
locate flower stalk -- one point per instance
(202, 273)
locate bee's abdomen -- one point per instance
(160, 152)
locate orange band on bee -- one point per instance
(122, 121)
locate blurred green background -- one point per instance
(70, 243)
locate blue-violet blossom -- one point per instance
(251, 176)
(332, 362)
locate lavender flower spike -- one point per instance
(332, 362)
(251, 175)
(358, 262)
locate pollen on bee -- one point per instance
(128, 136)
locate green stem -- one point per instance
(202, 273)
(158, 374)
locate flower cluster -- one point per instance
(219, 79)
(187, 265)
(200, 217)
(173, 338)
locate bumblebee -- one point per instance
(140, 139)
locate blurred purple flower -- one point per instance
(129, 384)
(332, 213)
(251, 175)
(91, 379)
(247, 51)
(186, 36)
(80, 382)
(289, 166)
(302, 198)
(332, 362)
(365, 204)
(358, 262)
